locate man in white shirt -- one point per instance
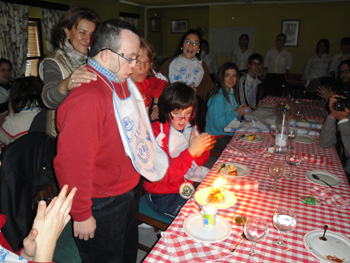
(277, 62)
(209, 58)
(249, 81)
(345, 54)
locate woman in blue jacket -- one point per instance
(223, 104)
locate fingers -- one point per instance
(40, 213)
(79, 76)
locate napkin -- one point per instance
(316, 159)
(183, 249)
(303, 131)
(253, 125)
(329, 197)
(305, 124)
(242, 185)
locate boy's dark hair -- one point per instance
(255, 56)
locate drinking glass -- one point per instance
(293, 158)
(276, 171)
(255, 230)
(284, 220)
(297, 110)
(291, 136)
(273, 132)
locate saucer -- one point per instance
(195, 229)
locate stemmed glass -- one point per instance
(284, 220)
(297, 110)
(276, 171)
(256, 230)
(291, 136)
(293, 158)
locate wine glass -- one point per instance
(291, 136)
(297, 110)
(293, 158)
(255, 230)
(276, 171)
(284, 220)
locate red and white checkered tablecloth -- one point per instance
(176, 246)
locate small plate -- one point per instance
(201, 197)
(193, 226)
(242, 170)
(305, 139)
(336, 245)
(245, 138)
(332, 179)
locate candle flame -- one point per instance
(219, 183)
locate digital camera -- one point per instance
(342, 103)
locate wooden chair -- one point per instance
(294, 85)
(150, 217)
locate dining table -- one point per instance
(253, 198)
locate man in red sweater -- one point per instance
(90, 152)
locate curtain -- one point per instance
(14, 36)
(49, 18)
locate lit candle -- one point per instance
(219, 183)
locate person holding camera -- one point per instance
(336, 129)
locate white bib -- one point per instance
(178, 142)
(146, 155)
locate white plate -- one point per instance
(194, 228)
(305, 139)
(245, 138)
(242, 170)
(336, 245)
(201, 197)
(332, 179)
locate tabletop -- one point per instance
(176, 246)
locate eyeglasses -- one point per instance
(130, 60)
(145, 63)
(179, 118)
(188, 42)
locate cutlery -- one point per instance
(315, 176)
(240, 137)
(324, 233)
(239, 220)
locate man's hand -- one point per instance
(86, 229)
(340, 115)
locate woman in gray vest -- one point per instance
(64, 68)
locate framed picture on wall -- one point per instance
(291, 29)
(179, 26)
(155, 24)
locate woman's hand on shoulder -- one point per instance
(79, 76)
(200, 143)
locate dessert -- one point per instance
(216, 196)
(251, 137)
(231, 170)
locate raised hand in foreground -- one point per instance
(39, 245)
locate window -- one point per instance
(34, 47)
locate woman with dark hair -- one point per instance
(241, 54)
(317, 68)
(187, 150)
(62, 69)
(187, 67)
(5, 83)
(25, 104)
(223, 104)
(149, 82)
